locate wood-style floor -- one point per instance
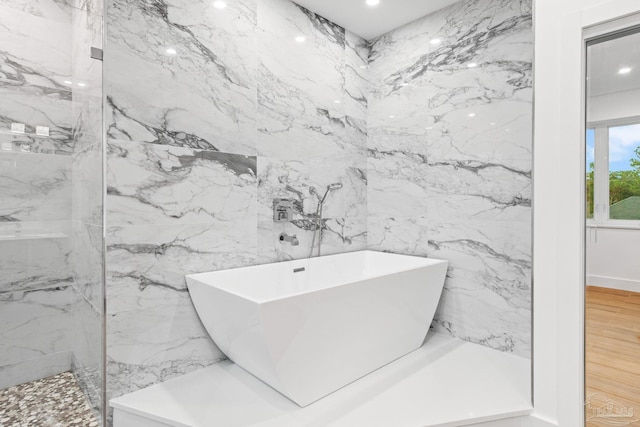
(612, 357)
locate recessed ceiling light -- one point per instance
(404, 84)
(392, 117)
(219, 4)
(624, 70)
(68, 82)
(300, 39)
(373, 2)
(82, 84)
(429, 127)
(435, 41)
(364, 67)
(171, 51)
(472, 114)
(472, 65)
(337, 101)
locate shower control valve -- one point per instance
(283, 210)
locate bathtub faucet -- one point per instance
(284, 237)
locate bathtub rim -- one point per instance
(196, 278)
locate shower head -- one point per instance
(335, 186)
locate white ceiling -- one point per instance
(370, 22)
(606, 58)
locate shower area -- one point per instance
(51, 213)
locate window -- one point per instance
(613, 172)
(624, 172)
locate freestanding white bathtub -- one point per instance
(312, 326)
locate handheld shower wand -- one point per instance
(321, 200)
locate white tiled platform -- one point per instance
(446, 382)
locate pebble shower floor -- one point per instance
(55, 401)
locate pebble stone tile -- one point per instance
(55, 401)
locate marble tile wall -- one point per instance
(35, 183)
(449, 165)
(211, 114)
(34, 336)
(51, 187)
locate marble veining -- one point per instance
(203, 91)
(211, 115)
(301, 91)
(45, 310)
(153, 184)
(35, 187)
(50, 218)
(145, 279)
(34, 263)
(449, 157)
(32, 79)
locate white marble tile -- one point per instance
(95, 7)
(160, 184)
(487, 296)
(35, 60)
(35, 187)
(499, 132)
(87, 261)
(31, 263)
(312, 69)
(51, 10)
(497, 92)
(473, 190)
(201, 96)
(356, 76)
(402, 235)
(301, 91)
(153, 255)
(354, 226)
(87, 186)
(34, 369)
(397, 184)
(470, 130)
(154, 332)
(87, 346)
(33, 230)
(34, 323)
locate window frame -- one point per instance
(601, 175)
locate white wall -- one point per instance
(614, 106)
(611, 262)
(612, 258)
(558, 213)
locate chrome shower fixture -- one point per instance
(318, 228)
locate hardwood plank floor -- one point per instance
(612, 371)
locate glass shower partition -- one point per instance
(51, 210)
